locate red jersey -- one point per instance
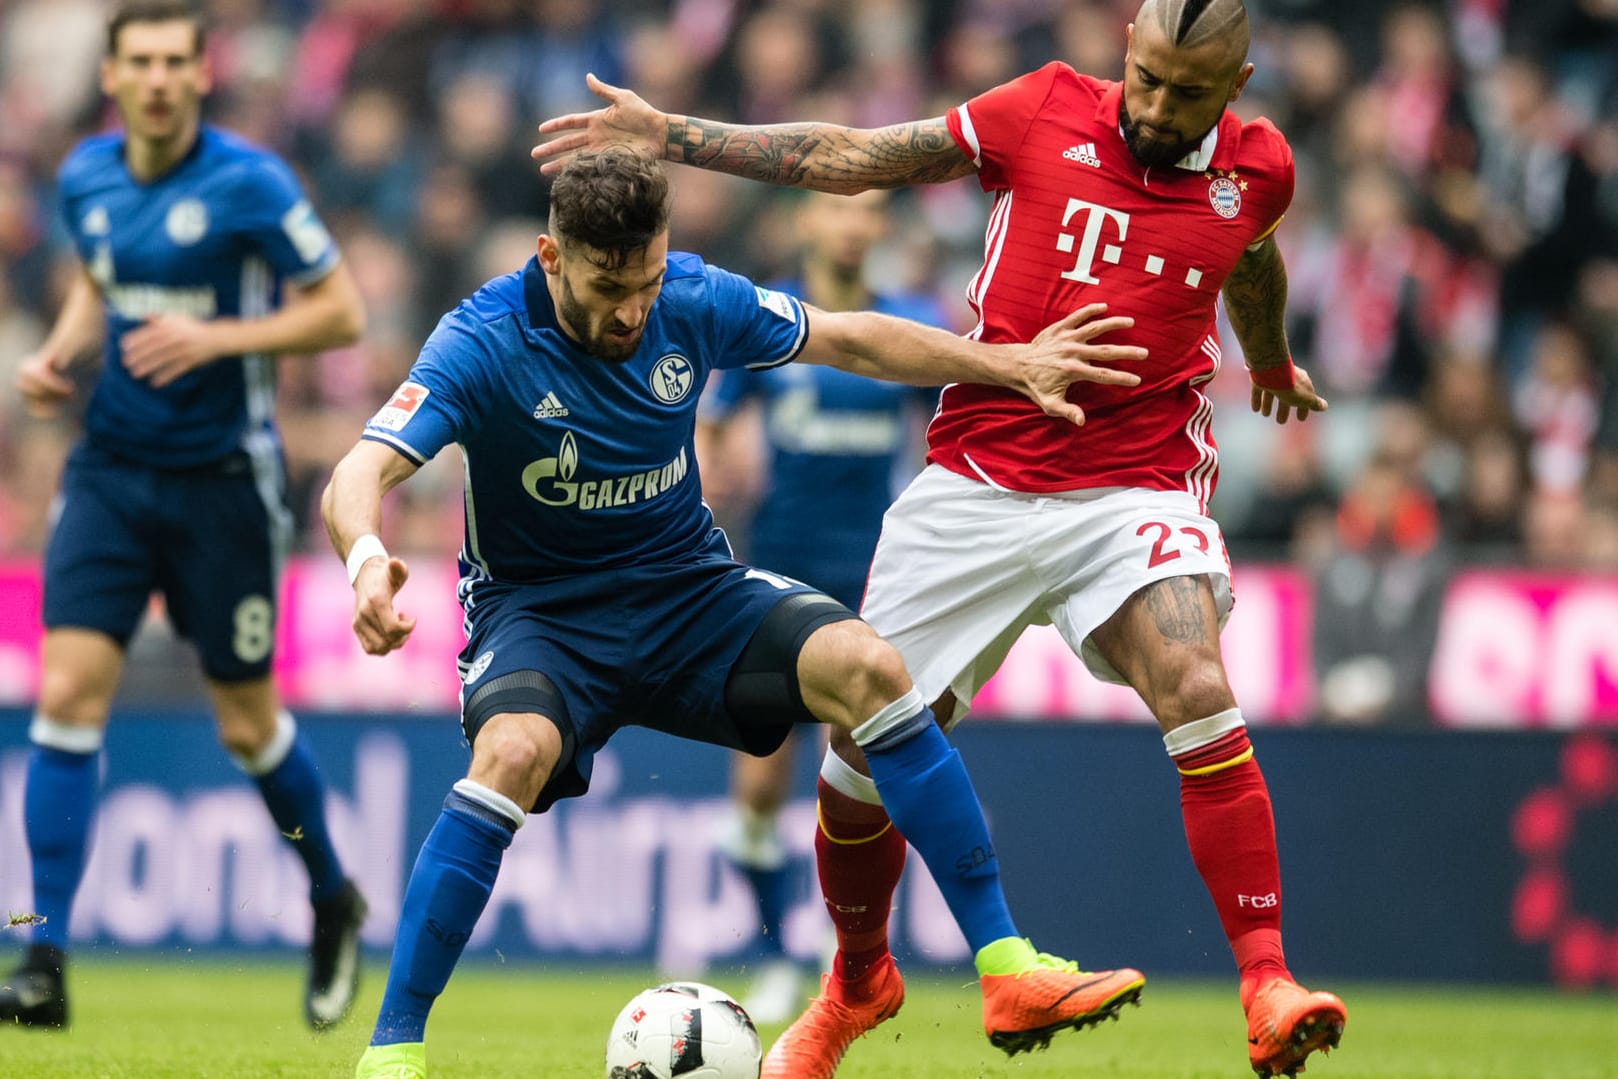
(1077, 220)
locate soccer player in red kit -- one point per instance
(1147, 195)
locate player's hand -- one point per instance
(379, 627)
(43, 384)
(625, 121)
(164, 347)
(1064, 353)
(1301, 398)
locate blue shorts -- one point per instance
(211, 540)
(838, 576)
(648, 646)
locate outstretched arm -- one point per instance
(825, 157)
(1256, 301)
(352, 509)
(898, 350)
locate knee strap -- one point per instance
(898, 721)
(54, 734)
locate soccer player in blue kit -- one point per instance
(837, 446)
(187, 235)
(599, 594)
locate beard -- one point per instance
(846, 273)
(1149, 152)
(593, 339)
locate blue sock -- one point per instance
(925, 789)
(770, 889)
(448, 890)
(59, 804)
(296, 798)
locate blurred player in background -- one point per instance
(598, 592)
(837, 445)
(187, 235)
(1149, 195)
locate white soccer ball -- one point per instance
(683, 1030)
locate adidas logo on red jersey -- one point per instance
(1084, 154)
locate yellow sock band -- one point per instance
(821, 820)
(1219, 766)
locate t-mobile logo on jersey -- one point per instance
(1096, 219)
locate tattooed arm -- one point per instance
(1256, 301)
(824, 157)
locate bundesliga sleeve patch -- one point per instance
(397, 412)
(305, 232)
(778, 302)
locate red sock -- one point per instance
(859, 855)
(1231, 832)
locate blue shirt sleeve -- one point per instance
(441, 400)
(70, 179)
(281, 225)
(754, 327)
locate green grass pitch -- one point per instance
(167, 1019)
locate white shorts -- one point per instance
(963, 568)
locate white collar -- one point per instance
(1198, 159)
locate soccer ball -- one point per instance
(683, 1030)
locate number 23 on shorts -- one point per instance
(1169, 541)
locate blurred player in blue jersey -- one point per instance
(598, 592)
(187, 235)
(837, 445)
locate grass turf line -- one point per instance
(172, 1019)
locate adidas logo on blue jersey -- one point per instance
(551, 408)
(1084, 154)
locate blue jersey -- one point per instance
(838, 444)
(574, 464)
(215, 236)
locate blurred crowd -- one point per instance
(1453, 247)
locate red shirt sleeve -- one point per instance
(990, 128)
(1275, 158)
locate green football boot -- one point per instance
(405, 1060)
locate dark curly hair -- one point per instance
(615, 202)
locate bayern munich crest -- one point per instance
(1225, 197)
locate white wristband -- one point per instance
(364, 549)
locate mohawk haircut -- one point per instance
(1190, 23)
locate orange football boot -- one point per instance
(813, 1046)
(1023, 1011)
(1286, 1022)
